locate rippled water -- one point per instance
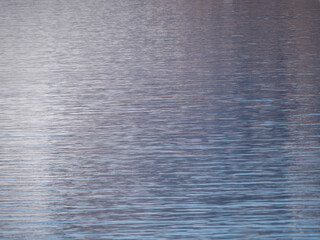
(171, 119)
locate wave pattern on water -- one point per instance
(159, 119)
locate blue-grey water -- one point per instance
(160, 119)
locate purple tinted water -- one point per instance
(189, 119)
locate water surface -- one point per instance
(171, 119)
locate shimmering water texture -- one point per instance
(171, 119)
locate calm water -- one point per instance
(171, 119)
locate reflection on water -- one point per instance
(159, 119)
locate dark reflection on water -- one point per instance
(159, 119)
